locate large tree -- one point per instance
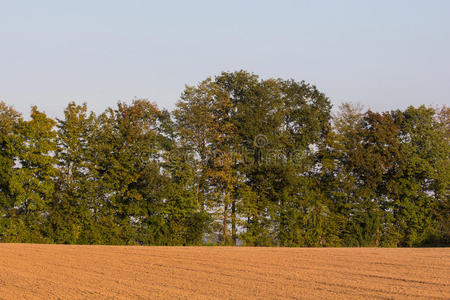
(72, 207)
(419, 182)
(10, 122)
(32, 181)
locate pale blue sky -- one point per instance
(383, 54)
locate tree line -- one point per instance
(240, 161)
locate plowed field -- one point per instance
(79, 272)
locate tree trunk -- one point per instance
(233, 223)
(225, 225)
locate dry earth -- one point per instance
(79, 272)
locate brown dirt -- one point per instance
(79, 272)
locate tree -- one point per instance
(207, 131)
(32, 181)
(441, 209)
(278, 123)
(359, 154)
(420, 179)
(125, 154)
(10, 123)
(71, 210)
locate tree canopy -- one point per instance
(241, 160)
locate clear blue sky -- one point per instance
(383, 54)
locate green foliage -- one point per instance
(70, 212)
(240, 161)
(32, 184)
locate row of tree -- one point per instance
(240, 160)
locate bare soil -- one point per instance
(33, 271)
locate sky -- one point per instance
(382, 54)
